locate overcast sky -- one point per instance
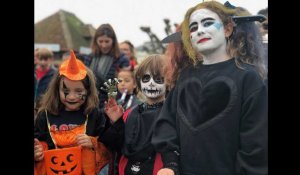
(127, 16)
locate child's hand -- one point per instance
(165, 171)
(84, 140)
(111, 87)
(113, 110)
(38, 150)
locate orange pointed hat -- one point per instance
(73, 68)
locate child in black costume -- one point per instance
(126, 96)
(139, 156)
(214, 121)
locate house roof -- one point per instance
(65, 29)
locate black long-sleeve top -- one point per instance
(215, 122)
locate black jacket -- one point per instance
(42, 85)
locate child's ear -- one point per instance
(228, 29)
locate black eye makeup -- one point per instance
(65, 90)
(208, 23)
(193, 27)
(79, 93)
(146, 78)
(157, 79)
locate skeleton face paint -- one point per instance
(153, 86)
(72, 94)
(206, 31)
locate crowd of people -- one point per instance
(199, 108)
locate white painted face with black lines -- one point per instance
(152, 88)
(206, 31)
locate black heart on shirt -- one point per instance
(201, 105)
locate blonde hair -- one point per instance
(43, 53)
(244, 44)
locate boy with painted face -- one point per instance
(139, 156)
(214, 121)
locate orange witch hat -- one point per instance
(73, 68)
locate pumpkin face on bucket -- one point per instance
(66, 161)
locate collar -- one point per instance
(144, 106)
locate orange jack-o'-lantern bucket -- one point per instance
(65, 161)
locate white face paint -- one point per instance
(206, 31)
(153, 87)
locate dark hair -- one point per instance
(263, 12)
(131, 47)
(176, 61)
(107, 30)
